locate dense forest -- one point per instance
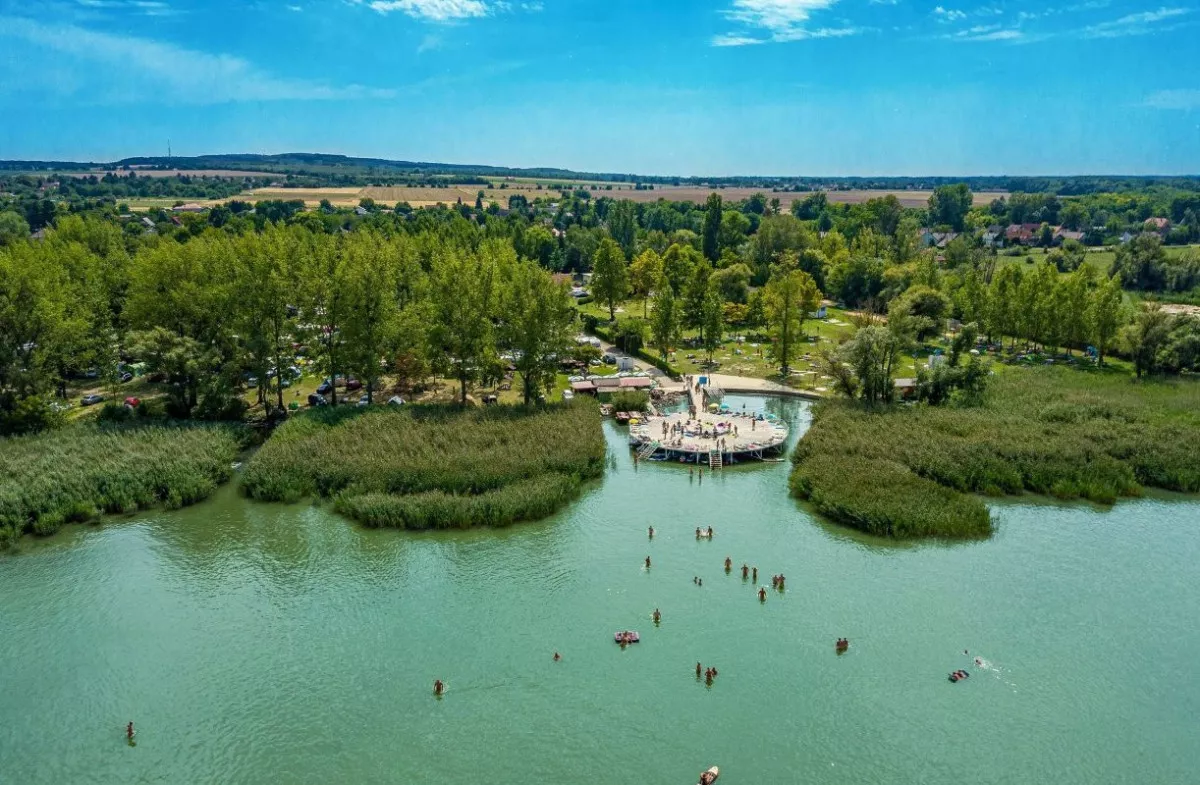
(209, 300)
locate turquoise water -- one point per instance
(255, 643)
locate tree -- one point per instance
(857, 280)
(695, 293)
(712, 323)
(631, 334)
(712, 228)
(464, 285)
(811, 206)
(1072, 307)
(1146, 337)
(12, 228)
(665, 321)
(790, 296)
(734, 228)
(610, 278)
(1104, 315)
(537, 317)
(776, 235)
(646, 275)
(732, 283)
(872, 354)
(622, 225)
(1141, 263)
(949, 205)
(678, 262)
(372, 311)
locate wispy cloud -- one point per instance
(1173, 99)
(777, 21)
(128, 69)
(949, 14)
(434, 10)
(144, 7)
(1134, 24)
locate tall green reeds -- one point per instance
(433, 467)
(904, 471)
(76, 474)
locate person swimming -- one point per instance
(697, 670)
(557, 656)
(762, 594)
(647, 562)
(728, 564)
(745, 572)
(708, 677)
(842, 644)
(652, 532)
(438, 687)
(710, 532)
(657, 616)
(697, 532)
(129, 732)
(755, 575)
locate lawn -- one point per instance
(744, 353)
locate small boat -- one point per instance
(710, 776)
(626, 636)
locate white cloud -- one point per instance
(434, 10)
(949, 14)
(1134, 24)
(737, 40)
(779, 20)
(1173, 99)
(127, 69)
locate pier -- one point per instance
(708, 432)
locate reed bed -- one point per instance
(76, 474)
(433, 466)
(906, 471)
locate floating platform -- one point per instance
(714, 438)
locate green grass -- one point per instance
(912, 471)
(77, 473)
(433, 466)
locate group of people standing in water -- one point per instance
(709, 674)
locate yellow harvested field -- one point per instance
(342, 197)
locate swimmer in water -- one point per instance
(755, 575)
(728, 564)
(745, 572)
(129, 732)
(438, 687)
(647, 562)
(697, 670)
(652, 532)
(657, 616)
(762, 594)
(557, 656)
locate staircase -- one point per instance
(648, 450)
(714, 459)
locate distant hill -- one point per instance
(341, 169)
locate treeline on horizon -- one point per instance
(362, 170)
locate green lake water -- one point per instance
(268, 644)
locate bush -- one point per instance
(628, 400)
(115, 412)
(75, 474)
(902, 471)
(350, 453)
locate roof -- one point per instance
(607, 381)
(1159, 223)
(583, 386)
(636, 382)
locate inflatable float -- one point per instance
(626, 637)
(710, 776)
(958, 676)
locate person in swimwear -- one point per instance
(728, 564)
(557, 656)
(438, 687)
(647, 562)
(755, 575)
(657, 616)
(697, 670)
(745, 572)
(129, 731)
(762, 594)
(652, 532)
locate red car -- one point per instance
(353, 384)
(132, 402)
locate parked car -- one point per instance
(609, 359)
(126, 377)
(251, 382)
(315, 399)
(325, 388)
(364, 400)
(353, 384)
(395, 400)
(90, 400)
(132, 402)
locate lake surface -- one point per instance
(256, 643)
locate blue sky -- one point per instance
(705, 87)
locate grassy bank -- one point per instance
(907, 471)
(433, 467)
(76, 474)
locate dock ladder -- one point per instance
(648, 449)
(714, 459)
